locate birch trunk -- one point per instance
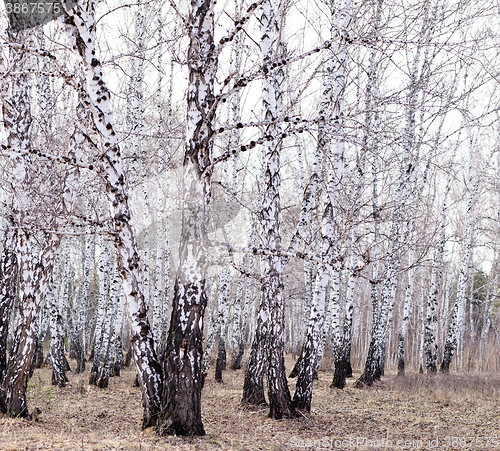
(138, 119)
(34, 272)
(324, 334)
(246, 307)
(162, 296)
(430, 343)
(9, 272)
(280, 402)
(408, 306)
(83, 306)
(212, 324)
(222, 322)
(489, 304)
(253, 386)
(417, 85)
(334, 87)
(371, 123)
(374, 367)
(487, 320)
(458, 315)
(42, 332)
(238, 319)
(57, 356)
(108, 355)
(80, 29)
(182, 360)
(101, 334)
(32, 290)
(118, 359)
(402, 196)
(342, 356)
(303, 390)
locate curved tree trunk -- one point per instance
(81, 32)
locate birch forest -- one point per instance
(220, 214)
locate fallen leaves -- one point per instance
(417, 407)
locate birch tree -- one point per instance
(458, 312)
(8, 288)
(79, 27)
(35, 270)
(182, 357)
(333, 97)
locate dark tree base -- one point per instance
(80, 366)
(103, 382)
(366, 379)
(118, 363)
(66, 364)
(253, 385)
(39, 354)
(445, 367)
(80, 358)
(60, 380)
(17, 411)
(128, 358)
(401, 367)
(254, 398)
(179, 429)
(280, 400)
(432, 369)
(219, 366)
(349, 369)
(296, 368)
(182, 385)
(282, 409)
(339, 375)
(237, 361)
(301, 402)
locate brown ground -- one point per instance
(456, 412)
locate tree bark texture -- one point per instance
(182, 361)
(80, 29)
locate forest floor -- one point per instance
(459, 412)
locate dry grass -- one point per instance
(80, 417)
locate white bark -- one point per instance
(333, 97)
(80, 30)
(458, 314)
